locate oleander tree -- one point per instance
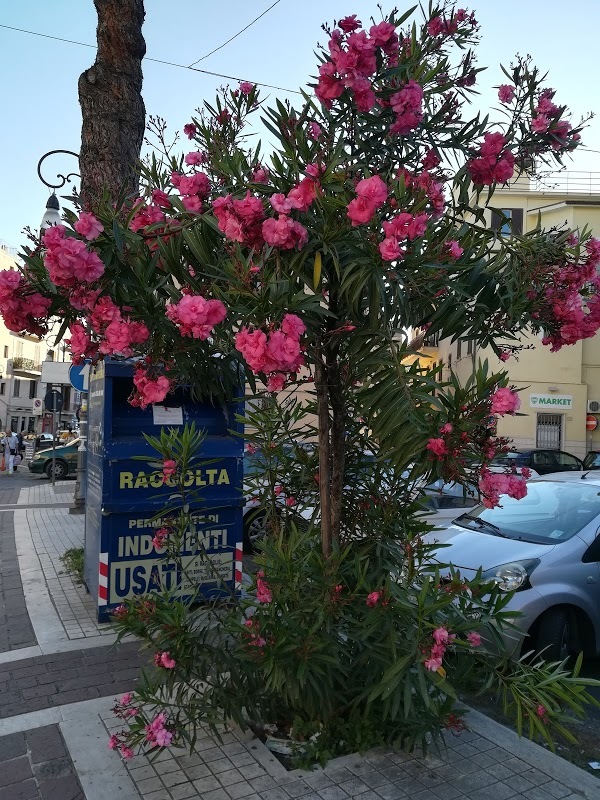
(318, 260)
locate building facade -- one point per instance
(559, 391)
(21, 360)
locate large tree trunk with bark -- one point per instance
(111, 103)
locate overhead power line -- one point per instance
(249, 25)
(155, 60)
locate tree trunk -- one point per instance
(321, 388)
(338, 443)
(111, 103)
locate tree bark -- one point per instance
(112, 107)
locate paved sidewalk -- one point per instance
(58, 684)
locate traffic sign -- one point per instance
(591, 422)
(79, 375)
(53, 401)
(38, 406)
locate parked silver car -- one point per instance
(545, 547)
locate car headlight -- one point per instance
(512, 577)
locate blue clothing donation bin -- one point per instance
(125, 494)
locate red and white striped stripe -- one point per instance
(103, 579)
(239, 553)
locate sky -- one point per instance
(40, 109)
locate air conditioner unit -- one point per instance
(593, 406)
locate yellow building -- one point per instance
(21, 370)
(558, 390)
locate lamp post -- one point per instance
(52, 217)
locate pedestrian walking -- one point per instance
(10, 443)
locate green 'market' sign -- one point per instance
(558, 401)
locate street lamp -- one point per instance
(52, 214)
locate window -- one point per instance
(5, 351)
(458, 348)
(66, 393)
(432, 339)
(31, 425)
(32, 389)
(19, 348)
(549, 431)
(16, 387)
(508, 221)
(2, 388)
(469, 347)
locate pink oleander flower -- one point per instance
(474, 639)
(113, 742)
(438, 447)
(87, 225)
(126, 699)
(169, 469)
(284, 233)
(494, 164)
(164, 660)
(196, 316)
(492, 485)
(441, 636)
(373, 189)
(126, 752)
(373, 599)
(160, 535)
(504, 355)
(195, 158)
(190, 130)
(390, 249)
(290, 502)
(314, 130)
(455, 251)
(251, 448)
(542, 712)
(246, 87)
(260, 175)
(505, 401)
(408, 107)
(361, 211)
(276, 382)
(293, 326)
(263, 591)
(433, 664)
(506, 93)
(446, 428)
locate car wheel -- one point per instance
(556, 635)
(60, 470)
(254, 530)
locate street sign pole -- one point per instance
(53, 446)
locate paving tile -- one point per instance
(240, 790)
(16, 770)
(25, 790)
(12, 746)
(64, 788)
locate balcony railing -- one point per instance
(26, 364)
(567, 182)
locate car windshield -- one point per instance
(509, 460)
(592, 461)
(551, 512)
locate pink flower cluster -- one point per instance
(157, 733)
(300, 197)
(159, 537)
(407, 104)
(371, 194)
(353, 61)
(22, 309)
(121, 334)
(403, 227)
(240, 220)
(88, 226)
(546, 118)
(80, 343)
(569, 299)
(277, 352)
(193, 189)
(505, 401)
(494, 163)
(169, 468)
(425, 185)
(118, 741)
(447, 26)
(164, 660)
(284, 232)
(252, 634)
(506, 93)
(441, 640)
(263, 590)
(373, 599)
(68, 260)
(493, 484)
(149, 390)
(195, 316)
(146, 215)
